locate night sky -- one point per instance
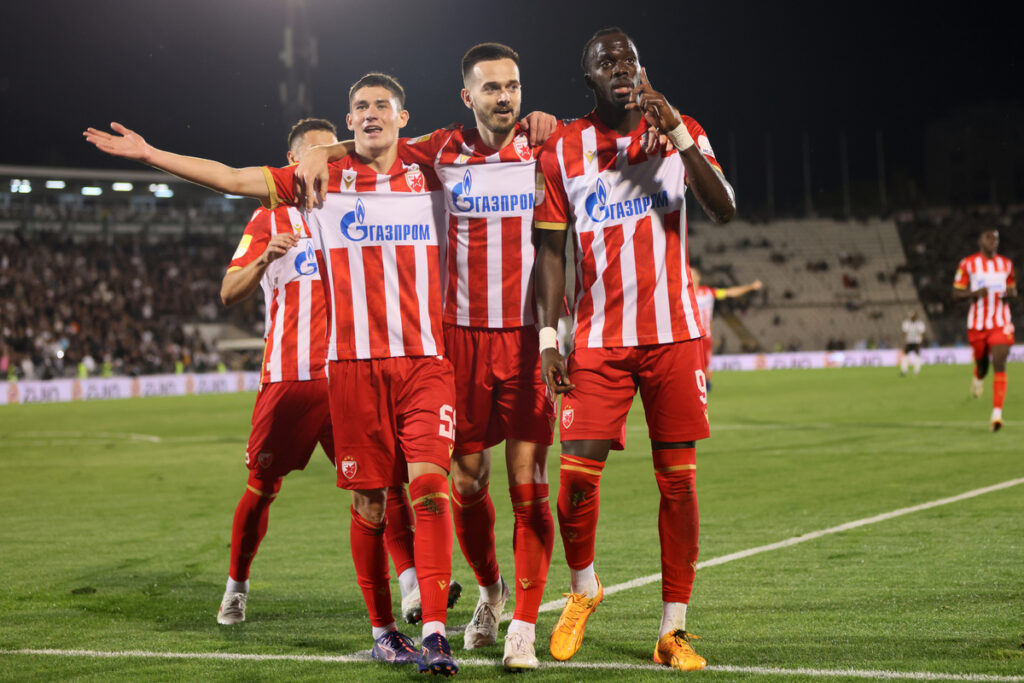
(202, 77)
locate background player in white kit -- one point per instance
(913, 336)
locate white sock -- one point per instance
(917, 365)
(407, 581)
(904, 365)
(378, 631)
(584, 581)
(493, 592)
(673, 617)
(430, 627)
(997, 414)
(524, 628)
(237, 586)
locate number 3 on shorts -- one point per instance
(447, 429)
(702, 385)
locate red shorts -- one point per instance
(707, 345)
(498, 390)
(388, 412)
(287, 422)
(982, 341)
(672, 386)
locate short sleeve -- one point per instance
(551, 204)
(962, 279)
(700, 138)
(281, 184)
(424, 149)
(1011, 277)
(254, 240)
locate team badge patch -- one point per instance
(265, 459)
(567, 415)
(349, 466)
(522, 148)
(414, 176)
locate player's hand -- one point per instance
(756, 285)
(127, 143)
(653, 105)
(311, 177)
(552, 369)
(654, 143)
(980, 293)
(539, 126)
(278, 246)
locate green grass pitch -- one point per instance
(116, 523)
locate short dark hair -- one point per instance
(486, 52)
(600, 34)
(376, 79)
(303, 126)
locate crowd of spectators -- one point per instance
(108, 305)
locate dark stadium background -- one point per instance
(940, 88)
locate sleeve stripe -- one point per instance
(275, 201)
(234, 268)
(548, 225)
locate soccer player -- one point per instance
(987, 280)
(488, 173)
(706, 297)
(636, 322)
(391, 395)
(291, 413)
(913, 335)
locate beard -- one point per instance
(501, 126)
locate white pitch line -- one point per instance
(554, 666)
(129, 436)
(796, 426)
(810, 536)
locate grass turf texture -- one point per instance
(113, 540)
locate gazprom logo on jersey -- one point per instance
(305, 262)
(493, 203)
(600, 210)
(355, 228)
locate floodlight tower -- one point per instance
(299, 58)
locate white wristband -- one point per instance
(548, 338)
(680, 137)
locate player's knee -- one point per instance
(676, 483)
(370, 505)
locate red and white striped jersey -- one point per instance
(632, 272)
(489, 197)
(996, 273)
(706, 303)
(380, 249)
(296, 320)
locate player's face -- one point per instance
(309, 139)
(989, 241)
(494, 94)
(375, 117)
(613, 69)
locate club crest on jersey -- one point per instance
(348, 466)
(305, 262)
(265, 459)
(567, 416)
(522, 148)
(414, 176)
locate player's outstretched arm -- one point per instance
(126, 143)
(740, 290)
(549, 289)
(239, 284)
(709, 186)
(312, 176)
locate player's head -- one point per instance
(988, 241)
(611, 66)
(695, 276)
(490, 76)
(376, 111)
(913, 315)
(309, 132)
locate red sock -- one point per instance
(398, 534)
(998, 389)
(433, 542)
(678, 522)
(250, 525)
(532, 542)
(578, 502)
(474, 527)
(367, 541)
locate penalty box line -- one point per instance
(802, 538)
(554, 666)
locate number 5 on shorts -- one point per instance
(702, 385)
(447, 429)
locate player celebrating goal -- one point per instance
(636, 321)
(987, 280)
(706, 297)
(391, 394)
